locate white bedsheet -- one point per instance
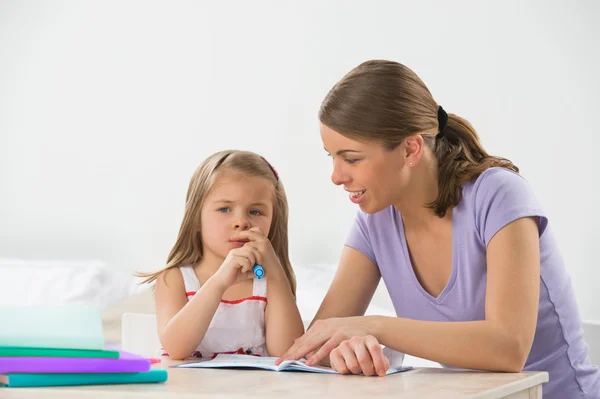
(32, 282)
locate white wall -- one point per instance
(107, 107)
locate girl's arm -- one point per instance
(501, 342)
(283, 322)
(182, 324)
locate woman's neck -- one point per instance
(421, 190)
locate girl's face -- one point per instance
(373, 176)
(236, 202)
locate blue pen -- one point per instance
(259, 272)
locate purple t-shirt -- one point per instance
(496, 198)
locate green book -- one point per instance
(53, 380)
(6, 351)
(64, 327)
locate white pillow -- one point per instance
(34, 282)
(313, 281)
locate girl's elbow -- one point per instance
(177, 354)
(174, 351)
(275, 350)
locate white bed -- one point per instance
(31, 282)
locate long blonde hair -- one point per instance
(188, 246)
(387, 102)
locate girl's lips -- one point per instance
(235, 239)
(239, 242)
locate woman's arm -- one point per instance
(352, 288)
(500, 342)
(350, 292)
(503, 340)
(182, 324)
(283, 323)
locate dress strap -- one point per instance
(190, 280)
(259, 287)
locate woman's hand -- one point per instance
(359, 355)
(323, 337)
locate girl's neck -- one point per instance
(210, 263)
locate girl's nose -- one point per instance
(241, 224)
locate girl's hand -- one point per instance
(262, 249)
(359, 355)
(236, 267)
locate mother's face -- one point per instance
(373, 176)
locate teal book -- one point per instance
(63, 327)
(52, 380)
(15, 351)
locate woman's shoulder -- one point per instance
(499, 196)
(498, 176)
(497, 182)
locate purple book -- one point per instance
(126, 363)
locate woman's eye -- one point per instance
(351, 161)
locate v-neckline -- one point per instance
(446, 290)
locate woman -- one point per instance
(463, 246)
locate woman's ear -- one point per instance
(413, 149)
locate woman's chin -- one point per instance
(370, 207)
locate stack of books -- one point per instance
(64, 345)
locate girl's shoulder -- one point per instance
(177, 276)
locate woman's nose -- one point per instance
(338, 176)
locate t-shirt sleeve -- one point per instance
(359, 239)
(501, 197)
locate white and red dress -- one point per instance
(237, 326)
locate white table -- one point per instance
(419, 383)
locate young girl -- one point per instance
(208, 300)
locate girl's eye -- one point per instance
(255, 212)
(224, 210)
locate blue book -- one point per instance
(65, 326)
(13, 380)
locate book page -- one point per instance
(268, 363)
(300, 365)
(237, 361)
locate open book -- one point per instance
(267, 363)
